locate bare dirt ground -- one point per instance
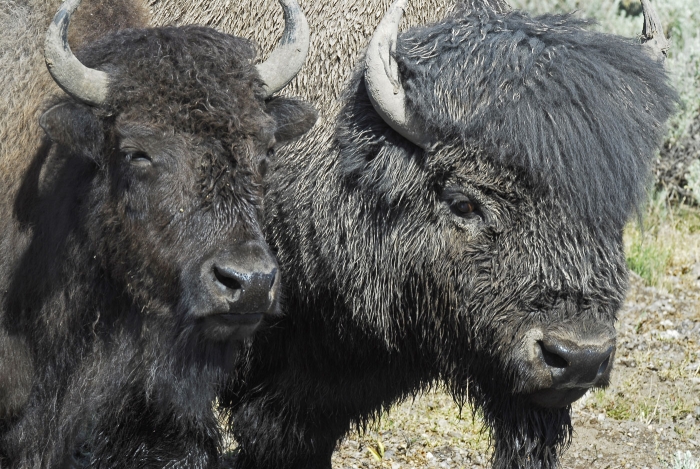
(648, 418)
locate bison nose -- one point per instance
(563, 365)
(571, 364)
(245, 279)
(246, 290)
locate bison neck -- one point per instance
(353, 340)
(343, 339)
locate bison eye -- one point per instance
(462, 204)
(138, 158)
(465, 208)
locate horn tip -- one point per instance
(652, 32)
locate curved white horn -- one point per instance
(653, 32)
(83, 83)
(289, 56)
(382, 78)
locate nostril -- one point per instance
(226, 279)
(274, 278)
(552, 359)
(603, 366)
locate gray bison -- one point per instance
(457, 222)
(132, 260)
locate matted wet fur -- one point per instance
(391, 289)
(98, 242)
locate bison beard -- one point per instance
(408, 268)
(126, 211)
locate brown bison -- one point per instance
(132, 260)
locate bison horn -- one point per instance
(290, 54)
(382, 78)
(84, 84)
(653, 33)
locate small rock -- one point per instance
(429, 455)
(670, 334)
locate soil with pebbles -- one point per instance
(649, 417)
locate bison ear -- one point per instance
(294, 117)
(74, 126)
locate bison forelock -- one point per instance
(191, 79)
(577, 110)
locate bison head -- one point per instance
(492, 161)
(160, 148)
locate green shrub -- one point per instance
(648, 260)
(685, 460)
(647, 247)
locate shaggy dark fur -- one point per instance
(117, 210)
(549, 101)
(547, 130)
